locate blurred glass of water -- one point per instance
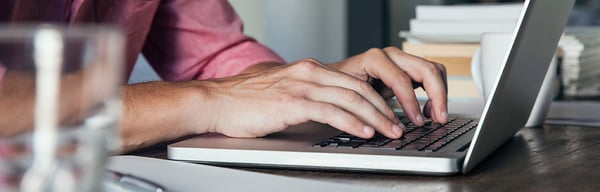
(59, 106)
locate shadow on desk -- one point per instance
(552, 158)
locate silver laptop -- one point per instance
(433, 149)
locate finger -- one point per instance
(436, 90)
(427, 109)
(336, 117)
(443, 104)
(356, 104)
(364, 89)
(312, 71)
(398, 81)
(430, 75)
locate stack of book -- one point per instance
(580, 66)
(461, 23)
(450, 35)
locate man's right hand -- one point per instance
(257, 104)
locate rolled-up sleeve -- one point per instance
(201, 39)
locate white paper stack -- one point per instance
(580, 68)
(461, 23)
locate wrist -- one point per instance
(160, 111)
(204, 107)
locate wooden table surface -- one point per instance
(552, 158)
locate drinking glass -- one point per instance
(59, 106)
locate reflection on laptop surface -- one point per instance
(433, 149)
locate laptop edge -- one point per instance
(524, 57)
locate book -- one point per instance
(423, 27)
(455, 66)
(439, 38)
(461, 23)
(458, 87)
(455, 57)
(479, 12)
(441, 49)
(580, 67)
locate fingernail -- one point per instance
(444, 115)
(368, 130)
(397, 130)
(419, 118)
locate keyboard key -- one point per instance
(436, 146)
(353, 144)
(358, 139)
(376, 142)
(342, 138)
(410, 147)
(345, 135)
(419, 132)
(392, 145)
(415, 145)
(321, 144)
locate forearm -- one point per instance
(160, 111)
(16, 103)
(153, 112)
(18, 96)
(261, 67)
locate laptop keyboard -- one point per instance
(430, 137)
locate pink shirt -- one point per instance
(201, 39)
(186, 39)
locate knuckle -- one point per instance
(352, 97)
(307, 65)
(432, 69)
(327, 109)
(394, 50)
(390, 48)
(311, 60)
(374, 51)
(441, 67)
(363, 86)
(289, 99)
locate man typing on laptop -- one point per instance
(220, 81)
(431, 148)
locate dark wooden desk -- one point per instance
(553, 158)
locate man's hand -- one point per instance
(401, 73)
(257, 104)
